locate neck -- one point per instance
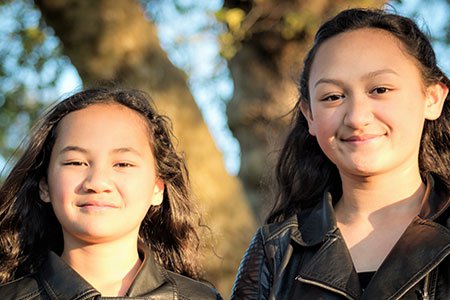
(108, 267)
(374, 212)
(380, 196)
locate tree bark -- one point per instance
(271, 43)
(114, 41)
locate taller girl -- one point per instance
(363, 179)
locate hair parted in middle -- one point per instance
(29, 228)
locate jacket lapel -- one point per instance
(423, 245)
(55, 275)
(330, 267)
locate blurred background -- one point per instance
(224, 71)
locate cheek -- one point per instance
(60, 197)
(135, 187)
(404, 121)
(325, 127)
(62, 185)
(326, 131)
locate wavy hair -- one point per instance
(303, 171)
(29, 228)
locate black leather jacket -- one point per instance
(57, 281)
(305, 257)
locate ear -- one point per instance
(435, 99)
(158, 192)
(306, 111)
(43, 190)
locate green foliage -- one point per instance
(232, 17)
(294, 23)
(260, 19)
(30, 64)
(230, 40)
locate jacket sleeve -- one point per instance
(253, 278)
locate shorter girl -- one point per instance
(99, 205)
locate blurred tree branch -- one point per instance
(265, 44)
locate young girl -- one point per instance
(363, 207)
(99, 205)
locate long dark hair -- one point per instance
(304, 172)
(29, 228)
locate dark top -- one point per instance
(364, 278)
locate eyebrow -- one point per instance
(85, 151)
(126, 150)
(72, 148)
(380, 72)
(365, 76)
(328, 80)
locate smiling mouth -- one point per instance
(97, 205)
(362, 138)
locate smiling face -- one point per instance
(101, 176)
(368, 103)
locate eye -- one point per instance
(380, 90)
(123, 165)
(333, 97)
(75, 163)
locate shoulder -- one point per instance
(23, 288)
(263, 255)
(270, 239)
(189, 288)
(284, 230)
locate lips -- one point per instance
(97, 204)
(362, 137)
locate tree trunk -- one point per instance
(114, 41)
(271, 42)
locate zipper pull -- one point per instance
(425, 295)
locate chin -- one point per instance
(362, 170)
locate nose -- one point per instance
(97, 181)
(359, 112)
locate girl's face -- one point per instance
(101, 176)
(369, 103)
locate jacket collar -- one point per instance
(433, 204)
(55, 275)
(149, 277)
(318, 223)
(427, 243)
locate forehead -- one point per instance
(103, 121)
(366, 48)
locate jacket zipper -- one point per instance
(426, 287)
(299, 278)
